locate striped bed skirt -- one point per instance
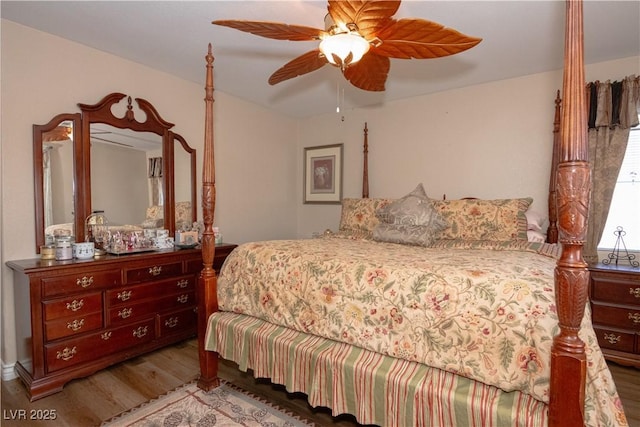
(376, 389)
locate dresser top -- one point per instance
(34, 265)
(621, 267)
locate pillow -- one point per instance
(536, 236)
(358, 216)
(413, 209)
(406, 234)
(535, 220)
(477, 219)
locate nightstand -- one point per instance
(615, 305)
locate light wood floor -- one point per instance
(89, 401)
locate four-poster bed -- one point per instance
(289, 345)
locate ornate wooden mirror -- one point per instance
(54, 149)
(113, 156)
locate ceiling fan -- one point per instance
(359, 37)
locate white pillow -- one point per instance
(536, 236)
(535, 220)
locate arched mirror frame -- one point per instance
(191, 152)
(101, 112)
(38, 172)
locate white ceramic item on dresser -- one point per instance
(83, 250)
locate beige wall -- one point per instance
(43, 75)
(489, 141)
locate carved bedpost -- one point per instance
(568, 359)
(365, 169)
(207, 283)
(552, 231)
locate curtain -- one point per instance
(155, 181)
(613, 110)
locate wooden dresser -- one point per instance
(86, 315)
(615, 306)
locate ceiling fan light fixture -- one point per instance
(344, 49)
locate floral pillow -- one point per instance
(477, 219)
(359, 216)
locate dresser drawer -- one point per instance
(612, 289)
(178, 322)
(615, 339)
(88, 348)
(80, 282)
(128, 312)
(72, 325)
(77, 305)
(136, 293)
(153, 272)
(622, 317)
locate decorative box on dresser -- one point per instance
(83, 315)
(615, 306)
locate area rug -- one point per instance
(226, 406)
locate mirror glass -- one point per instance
(184, 164)
(126, 173)
(57, 179)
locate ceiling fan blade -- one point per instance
(273, 30)
(421, 39)
(370, 73)
(369, 16)
(303, 64)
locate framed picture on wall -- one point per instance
(323, 174)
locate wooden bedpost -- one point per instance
(568, 359)
(552, 231)
(207, 283)
(365, 168)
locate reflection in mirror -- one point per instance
(122, 162)
(57, 174)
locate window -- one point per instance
(625, 205)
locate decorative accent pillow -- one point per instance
(413, 209)
(405, 234)
(358, 216)
(477, 219)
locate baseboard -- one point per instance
(8, 371)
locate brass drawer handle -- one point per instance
(75, 305)
(85, 282)
(76, 325)
(183, 298)
(184, 283)
(124, 295)
(171, 322)
(125, 312)
(611, 338)
(155, 270)
(140, 331)
(66, 354)
(635, 317)
(106, 335)
(635, 292)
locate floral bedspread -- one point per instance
(488, 314)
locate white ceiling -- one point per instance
(519, 38)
